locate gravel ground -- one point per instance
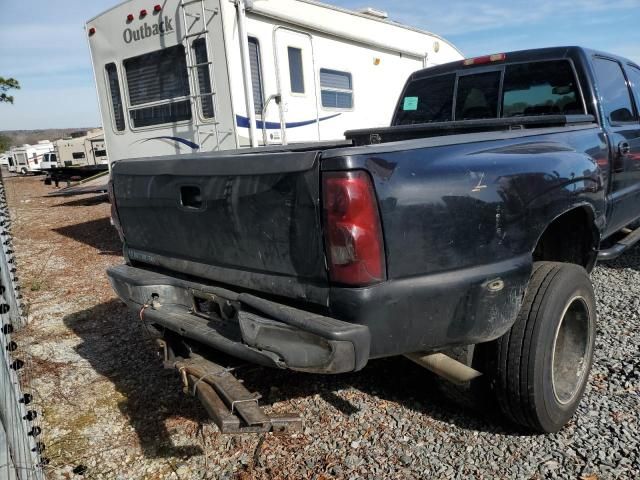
(111, 412)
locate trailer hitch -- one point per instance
(227, 401)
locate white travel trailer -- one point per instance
(95, 148)
(203, 75)
(71, 150)
(11, 162)
(28, 158)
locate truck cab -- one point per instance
(49, 160)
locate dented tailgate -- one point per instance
(248, 220)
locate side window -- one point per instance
(614, 92)
(296, 75)
(634, 76)
(204, 79)
(256, 74)
(116, 98)
(53, 158)
(540, 88)
(77, 155)
(478, 96)
(336, 89)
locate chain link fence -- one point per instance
(21, 447)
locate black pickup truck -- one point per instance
(469, 225)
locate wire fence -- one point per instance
(21, 448)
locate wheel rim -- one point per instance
(571, 350)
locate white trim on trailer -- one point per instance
(293, 70)
(246, 70)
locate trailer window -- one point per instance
(540, 88)
(336, 89)
(116, 98)
(296, 76)
(256, 75)
(77, 155)
(427, 100)
(614, 91)
(204, 79)
(160, 78)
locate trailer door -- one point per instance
(297, 85)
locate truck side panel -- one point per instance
(460, 226)
(473, 204)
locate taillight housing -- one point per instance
(352, 230)
(115, 220)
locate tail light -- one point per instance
(353, 234)
(115, 220)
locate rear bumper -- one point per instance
(256, 330)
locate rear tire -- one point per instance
(541, 365)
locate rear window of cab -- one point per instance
(512, 90)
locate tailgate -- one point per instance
(247, 220)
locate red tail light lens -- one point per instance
(115, 220)
(353, 234)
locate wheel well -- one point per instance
(570, 238)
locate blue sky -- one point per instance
(43, 44)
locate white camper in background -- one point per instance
(202, 75)
(95, 148)
(82, 148)
(11, 162)
(71, 150)
(28, 158)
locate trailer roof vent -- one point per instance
(374, 12)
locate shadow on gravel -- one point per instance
(98, 233)
(86, 202)
(118, 347)
(629, 259)
(393, 379)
